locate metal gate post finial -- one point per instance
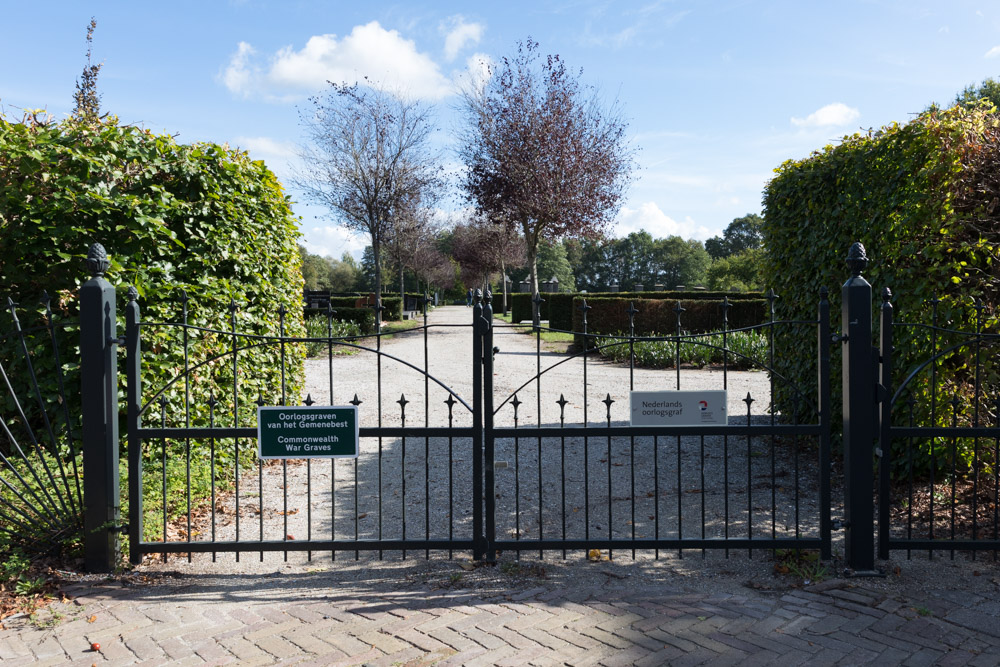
(97, 261)
(99, 386)
(859, 418)
(857, 259)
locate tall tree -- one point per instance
(86, 100)
(744, 233)
(367, 160)
(542, 154)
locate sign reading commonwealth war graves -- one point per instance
(678, 408)
(288, 432)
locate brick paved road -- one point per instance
(438, 614)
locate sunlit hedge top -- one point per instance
(202, 218)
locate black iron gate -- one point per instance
(595, 482)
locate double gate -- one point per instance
(522, 451)
(543, 464)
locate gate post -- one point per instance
(478, 541)
(859, 414)
(99, 385)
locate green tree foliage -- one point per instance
(921, 197)
(988, 91)
(552, 263)
(742, 234)
(326, 273)
(680, 262)
(737, 273)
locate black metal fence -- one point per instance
(482, 461)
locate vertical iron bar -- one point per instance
(356, 402)
(331, 401)
(824, 408)
(133, 398)
(479, 548)
(236, 419)
(933, 471)
(378, 363)
(517, 479)
(749, 401)
(163, 468)
(211, 441)
(402, 466)
(187, 410)
(954, 455)
(450, 401)
(611, 496)
(656, 493)
(284, 462)
(490, 441)
(885, 439)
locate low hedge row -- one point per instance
(703, 311)
(658, 316)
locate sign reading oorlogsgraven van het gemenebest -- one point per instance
(296, 432)
(678, 408)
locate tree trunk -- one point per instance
(533, 266)
(402, 287)
(503, 287)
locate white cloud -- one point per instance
(832, 115)
(993, 53)
(649, 217)
(459, 34)
(266, 147)
(383, 56)
(333, 241)
(238, 74)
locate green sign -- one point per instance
(328, 432)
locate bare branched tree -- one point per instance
(367, 160)
(542, 154)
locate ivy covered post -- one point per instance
(99, 400)
(859, 414)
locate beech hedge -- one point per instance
(922, 198)
(200, 219)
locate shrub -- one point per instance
(200, 221)
(921, 197)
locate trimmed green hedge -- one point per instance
(921, 197)
(657, 317)
(558, 308)
(201, 219)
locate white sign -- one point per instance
(678, 408)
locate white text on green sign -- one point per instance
(289, 432)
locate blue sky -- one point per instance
(717, 93)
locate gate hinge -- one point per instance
(120, 340)
(839, 338)
(496, 350)
(119, 529)
(837, 524)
